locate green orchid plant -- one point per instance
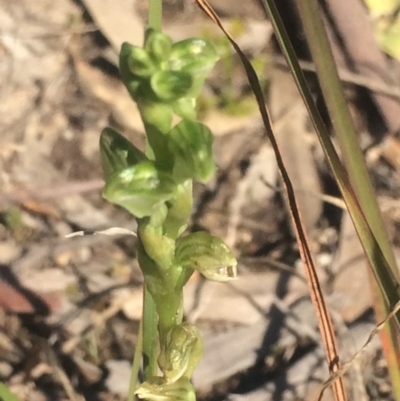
(155, 186)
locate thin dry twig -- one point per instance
(61, 375)
(346, 366)
(98, 320)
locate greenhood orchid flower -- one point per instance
(207, 254)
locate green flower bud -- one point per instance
(158, 45)
(207, 254)
(182, 352)
(123, 61)
(140, 63)
(171, 85)
(117, 153)
(191, 143)
(140, 189)
(157, 389)
(195, 56)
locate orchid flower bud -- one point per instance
(140, 63)
(191, 143)
(182, 352)
(157, 389)
(158, 45)
(207, 254)
(195, 56)
(171, 85)
(132, 82)
(141, 189)
(117, 153)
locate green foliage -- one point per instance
(6, 394)
(386, 20)
(165, 78)
(13, 219)
(382, 7)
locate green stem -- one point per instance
(149, 335)
(155, 14)
(149, 308)
(170, 312)
(136, 364)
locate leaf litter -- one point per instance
(52, 111)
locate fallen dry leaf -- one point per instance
(25, 301)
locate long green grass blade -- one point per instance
(361, 200)
(136, 364)
(343, 125)
(382, 268)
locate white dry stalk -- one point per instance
(110, 231)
